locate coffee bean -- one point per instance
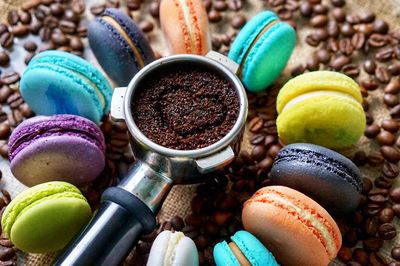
(177, 223)
(390, 170)
(377, 259)
(24, 17)
(6, 253)
(235, 5)
(380, 26)
(255, 124)
(154, 9)
(76, 44)
(284, 13)
(238, 21)
(82, 31)
(386, 215)
(396, 209)
(258, 153)
(353, 19)
(13, 17)
(312, 63)
(338, 3)
(375, 159)
(10, 78)
(390, 124)
(4, 58)
(345, 254)
(391, 154)
(372, 131)
(390, 99)
(385, 137)
(146, 26)
(384, 54)
(358, 40)
(323, 56)
(333, 45)
(339, 14)
(395, 194)
(340, 61)
(382, 74)
(372, 244)
(59, 39)
(395, 112)
(67, 27)
(45, 34)
(319, 21)
(220, 5)
(350, 238)
(312, 40)
(7, 40)
(42, 12)
(35, 27)
(351, 70)
(214, 16)
(369, 66)
(387, 231)
(78, 6)
(395, 253)
(360, 256)
(377, 40)
(306, 9)
(30, 46)
(97, 9)
(394, 69)
(320, 9)
(366, 29)
(347, 30)
(30, 4)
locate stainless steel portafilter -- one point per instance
(128, 210)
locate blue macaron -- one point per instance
(57, 82)
(262, 49)
(326, 176)
(244, 247)
(119, 45)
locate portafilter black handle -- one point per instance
(126, 212)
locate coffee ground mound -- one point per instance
(185, 109)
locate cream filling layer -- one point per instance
(186, 15)
(312, 94)
(320, 227)
(243, 261)
(171, 248)
(126, 37)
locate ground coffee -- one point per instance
(185, 109)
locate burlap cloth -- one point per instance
(178, 201)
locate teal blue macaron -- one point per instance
(57, 82)
(243, 246)
(262, 50)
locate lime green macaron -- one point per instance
(44, 218)
(321, 107)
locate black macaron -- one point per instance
(322, 174)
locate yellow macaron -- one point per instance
(321, 107)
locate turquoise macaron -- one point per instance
(262, 49)
(245, 248)
(57, 82)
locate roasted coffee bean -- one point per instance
(382, 74)
(369, 66)
(7, 40)
(67, 26)
(41, 12)
(377, 259)
(15, 100)
(13, 17)
(395, 194)
(30, 46)
(321, 9)
(360, 158)
(383, 182)
(323, 56)
(339, 14)
(154, 9)
(258, 153)
(393, 87)
(387, 231)
(346, 47)
(345, 254)
(82, 31)
(338, 3)
(97, 9)
(377, 40)
(360, 256)
(312, 40)
(256, 124)
(235, 5)
(394, 69)
(220, 5)
(177, 223)
(45, 34)
(57, 9)
(372, 131)
(4, 58)
(386, 215)
(372, 244)
(390, 170)
(6, 253)
(333, 45)
(312, 63)
(347, 30)
(396, 209)
(395, 253)
(214, 16)
(369, 84)
(351, 70)
(146, 26)
(385, 137)
(319, 21)
(78, 6)
(358, 40)
(340, 61)
(306, 9)
(390, 124)
(238, 21)
(365, 29)
(350, 237)
(390, 99)
(59, 39)
(395, 112)
(20, 30)
(76, 44)
(390, 153)
(375, 159)
(24, 17)
(353, 19)
(257, 139)
(384, 54)
(10, 78)
(284, 13)
(380, 26)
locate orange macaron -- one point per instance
(296, 229)
(185, 26)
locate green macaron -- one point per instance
(44, 218)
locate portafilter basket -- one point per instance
(128, 210)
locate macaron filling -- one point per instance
(318, 93)
(243, 261)
(189, 25)
(254, 42)
(111, 21)
(173, 242)
(317, 225)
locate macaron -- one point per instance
(326, 176)
(296, 229)
(44, 218)
(57, 82)
(60, 147)
(119, 45)
(173, 249)
(321, 107)
(185, 26)
(245, 249)
(261, 49)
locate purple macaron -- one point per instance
(56, 148)
(119, 45)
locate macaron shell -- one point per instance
(63, 158)
(317, 80)
(186, 253)
(268, 57)
(223, 255)
(253, 249)
(113, 52)
(55, 222)
(324, 175)
(158, 249)
(49, 90)
(283, 233)
(173, 26)
(330, 121)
